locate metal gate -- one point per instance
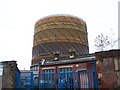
(63, 80)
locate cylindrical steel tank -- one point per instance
(59, 34)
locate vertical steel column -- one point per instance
(95, 76)
(31, 80)
(39, 76)
(61, 81)
(17, 79)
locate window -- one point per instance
(34, 68)
(48, 70)
(48, 76)
(65, 75)
(65, 69)
(116, 63)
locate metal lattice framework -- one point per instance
(59, 33)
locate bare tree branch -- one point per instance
(101, 42)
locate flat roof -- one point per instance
(70, 61)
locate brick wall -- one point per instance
(9, 74)
(108, 68)
(75, 67)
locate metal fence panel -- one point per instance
(64, 80)
(24, 80)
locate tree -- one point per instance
(101, 42)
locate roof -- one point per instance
(58, 16)
(9, 61)
(25, 71)
(70, 61)
(108, 53)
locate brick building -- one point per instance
(73, 65)
(61, 45)
(61, 36)
(108, 68)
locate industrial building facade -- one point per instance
(108, 68)
(61, 46)
(59, 38)
(60, 53)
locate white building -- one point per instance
(119, 25)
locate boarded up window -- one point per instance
(116, 64)
(108, 64)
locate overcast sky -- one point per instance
(17, 19)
